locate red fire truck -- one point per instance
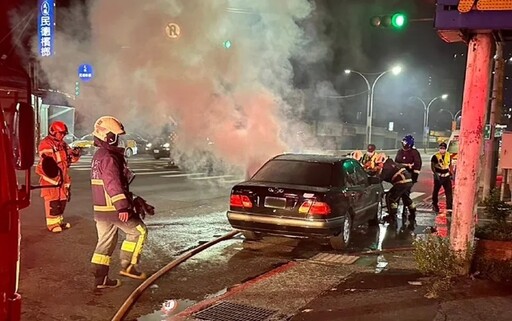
(17, 151)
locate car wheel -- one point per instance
(377, 216)
(156, 157)
(340, 241)
(128, 152)
(251, 236)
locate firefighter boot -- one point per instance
(131, 272)
(412, 219)
(435, 208)
(106, 283)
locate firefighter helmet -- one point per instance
(58, 127)
(107, 129)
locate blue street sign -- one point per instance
(46, 27)
(85, 72)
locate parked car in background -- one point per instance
(69, 138)
(86, 144)
(161, 146)
(140, 142)
(314, 196)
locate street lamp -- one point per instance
(426, 108)
(454, 117)
(369, 101)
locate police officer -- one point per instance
(113, 206)
(409, 157)
(441, 165)
(400, 177)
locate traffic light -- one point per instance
(395, 21)
(227, 44)
(77, 88)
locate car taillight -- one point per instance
(240, 201)
(315, 208)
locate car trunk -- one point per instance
(277, 199)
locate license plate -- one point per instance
(156, 151)
(275, 202)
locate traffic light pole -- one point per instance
(476, 93)
(496, 106)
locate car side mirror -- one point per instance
(24, 148)
(374, 180)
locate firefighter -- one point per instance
(369, 158)
(441, 165)
(113, 206)
(56, 198)
(409, 157)
(400, 177)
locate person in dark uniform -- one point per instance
(399, 176)
(409, 157)
(441, 164)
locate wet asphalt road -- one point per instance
(190, 210)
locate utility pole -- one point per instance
(491, 145)
(474, 105)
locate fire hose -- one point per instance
(132, 298)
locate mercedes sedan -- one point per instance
(314, 196)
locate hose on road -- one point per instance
(132, 298)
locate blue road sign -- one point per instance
(46, 27)
(85, 72)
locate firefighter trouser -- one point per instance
(136, 234)
(397, 192)
(446, 183)
(53, 211)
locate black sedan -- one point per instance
(312, 196)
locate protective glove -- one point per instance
(142, 208)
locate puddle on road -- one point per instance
(169, 308)
(173, 307)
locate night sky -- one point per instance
(431, 67)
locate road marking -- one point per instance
(158, 173)
(182, 175)
(415, 195)
(211, 177)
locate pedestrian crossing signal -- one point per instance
(77, 88)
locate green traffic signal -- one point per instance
(227, 44)
(398, 20)
(77, 88)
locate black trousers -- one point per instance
(397, 192)
(446, 184)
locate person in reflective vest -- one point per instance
(56, 198)
(441, 164)
(369, 158)
(400, 177)
(113, 206)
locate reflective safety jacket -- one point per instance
(441, 163)
(368, 161)
(61, 153)
(109, 182)
(394, 173)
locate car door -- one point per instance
(355, 188)
(369, 196)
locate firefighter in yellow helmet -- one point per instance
(113, 205)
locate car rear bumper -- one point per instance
(285, 226)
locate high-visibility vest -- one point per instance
(442, 166)
(368, 162)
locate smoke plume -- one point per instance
(235, 97)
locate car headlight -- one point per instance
(167, 145)
(149, 145)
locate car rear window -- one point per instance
(295, 172)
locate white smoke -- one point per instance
(235, 97)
